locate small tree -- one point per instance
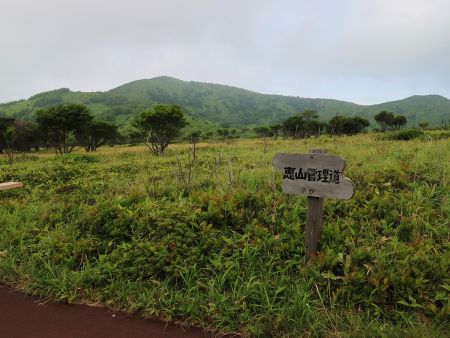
(399, 121)
(97, 134)
(294, 127)
(385, 119)
(310, 115)
(194, 138)
(223, 134)
(160, 126)
(262, 132)
(275, 130)
(10, 136)
(352, 126)
(343, 125)
(336, 125)
(5, 123)
(423, 125)
(28, 136)
(64, 125)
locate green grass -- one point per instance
(225, 251)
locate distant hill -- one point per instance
(211, 105)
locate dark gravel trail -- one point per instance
(22, 316)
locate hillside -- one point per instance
(212, 105)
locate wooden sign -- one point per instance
(316, 175)
(10, 185)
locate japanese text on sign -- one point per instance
(312, 175)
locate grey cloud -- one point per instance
(363, 51)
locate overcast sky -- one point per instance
(364, 51)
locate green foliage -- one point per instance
(227, 253)
(262, 131)
(387, 120)
(210, 106)
(405, 135)
(64, 125)
(343, 125)
(97, 134)
(5, 124)
(399, 121)
(160, 126)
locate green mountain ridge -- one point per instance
(210, 105)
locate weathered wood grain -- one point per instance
(342, 190)
(10, 185)
(313, 231)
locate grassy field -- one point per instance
(222, 247)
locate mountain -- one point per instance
(211, 105)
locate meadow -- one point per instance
(216, 243)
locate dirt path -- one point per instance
(23, 316)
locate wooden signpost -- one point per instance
(10, 185)
(316, 175)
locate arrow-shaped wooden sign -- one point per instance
(316, 175)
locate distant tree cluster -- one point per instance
(18, 135)
(67, 126)
(389, 121)
(302, 125)
(346, 125)
(307, 124)
(226, 133)
(271, 131)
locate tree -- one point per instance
(399, 121)
(209, 135)
(294, 127)
(354, 125)
(64, 125)
(275, 130)
(310, 115)
(5, 123)
(336, 125)
(423, 125)
(97, 134)
(385, 119)
(311, 124)
(223, 133)
(10, 137)
(343, 125)
(160, 126)
(28, 136)
(262, 132)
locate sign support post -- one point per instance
(313, 226)
(314, 215)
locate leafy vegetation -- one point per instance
(160, 125)
(387, 120)
(209, 106)
(124, 229)
(406, 135)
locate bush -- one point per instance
(405, 135)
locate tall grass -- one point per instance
(121, 228)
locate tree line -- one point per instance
(65, 127)
(307, 124)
